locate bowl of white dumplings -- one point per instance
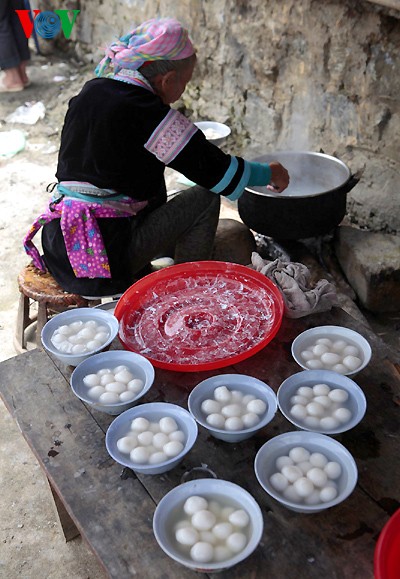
(232, 407)
(151, 438)
(208, 525)
(76, 334)
(306, 472)
(112, 381)
(321, 401)
(214, 132)
(332, 348)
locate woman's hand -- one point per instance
(279, 177)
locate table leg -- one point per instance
(68, 526)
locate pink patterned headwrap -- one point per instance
(156, 39)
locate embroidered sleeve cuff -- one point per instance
(170, 137)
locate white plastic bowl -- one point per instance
(138, 365)
(74, 315)
(356, 402)
(264, 466)
(211, 489)
(153, 411)
(247, 385)
(308, 338)
(222, 130)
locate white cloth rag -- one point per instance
(294, 282)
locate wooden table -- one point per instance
(112, 508)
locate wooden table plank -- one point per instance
(114, 516)
(338, 542)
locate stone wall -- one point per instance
(288, 74)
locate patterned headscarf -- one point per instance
(156, 39)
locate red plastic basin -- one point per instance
(199, 315)
(387, 550)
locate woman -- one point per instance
(109, 217)
(14, 50)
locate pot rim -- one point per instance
(270, 194)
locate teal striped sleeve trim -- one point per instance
(227, 178)
(241, 185)
(239, 175)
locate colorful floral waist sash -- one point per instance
(78, 206)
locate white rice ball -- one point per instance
(321, 389)
(222, 530)
(211, 406)
(91, 380)
(234, 423)
(303, 486)
(194, 504)
(352, 362)
(339, 345)
(333, 470)
(317, 476)
(124, 376)
(203, 520)
(343, 415)
(109, 398)
(298, 411)
(216, 420)
(116, 387)
(140, 424)
(282, 461)
(236, 542)
(127, 396)
(140, 455)
(222, 394)
(292, 473)
(299, 454)
(318, 459)
(230, 410)
(307, 355)
(187, 536)
(239, 518)
(250, 419)
(135, 385)
(314, 364)
(177, 435)
(305, 391)
(338, 395)
(173, 448)
(96, 392)
(202, 552)
(126, 444)
(160, 439)
(329, 422)
(328, 494)
(157, 457)
(257, 406)
(168, 424)
(278, 481)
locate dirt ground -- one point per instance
(31, 542)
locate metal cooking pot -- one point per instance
(312, 205)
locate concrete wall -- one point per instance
(288, 74)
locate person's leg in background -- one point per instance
(187, 223)
(14, 49)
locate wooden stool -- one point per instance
(43, 289)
